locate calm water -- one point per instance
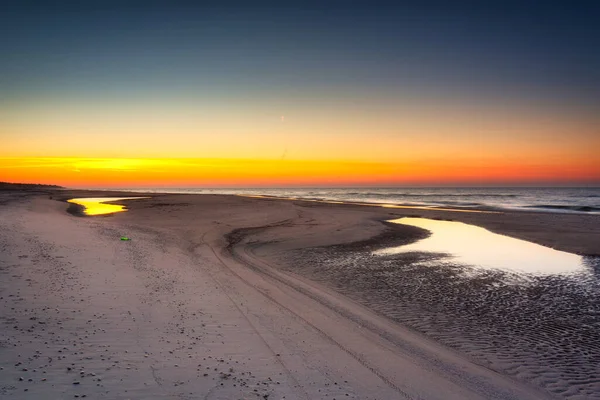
(98, 206)
(579, 200)
(477, 247)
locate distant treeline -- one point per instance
(26, 186)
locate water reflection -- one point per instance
(98, 206)
(478, 247)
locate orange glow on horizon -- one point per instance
(331, 140)
(116, 172)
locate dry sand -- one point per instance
(189, 309)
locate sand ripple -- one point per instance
(541, 329)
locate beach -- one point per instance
(226, 297)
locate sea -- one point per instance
(544, 199)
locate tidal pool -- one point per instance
(98, 206)
(477, 247)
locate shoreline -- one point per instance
(483, 198)
(195, 304)
(576, 233)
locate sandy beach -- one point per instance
(222, 297)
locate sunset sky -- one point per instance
(144, 94)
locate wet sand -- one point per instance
(540, 329)
(212, 299)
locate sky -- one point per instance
(329, 93)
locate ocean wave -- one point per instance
(566, 208)
(427, 195)
(462, 204)
(558, 200)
